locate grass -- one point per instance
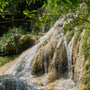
(6, 59)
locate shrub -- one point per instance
(9, 41)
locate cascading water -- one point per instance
(22, 68)
(69, 54)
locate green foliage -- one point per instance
(32, 1)
(32, 16)
(86, 42)
(3, 4)
(64, 2)
(77, 37)
(53, 9)
(13, 7)
(10, 38)
(86, 52)
(9, 7)
(69, 36)
(87, 81)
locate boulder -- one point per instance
(26, 41)
(9, 82)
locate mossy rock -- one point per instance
(26, 41)
(18, 45)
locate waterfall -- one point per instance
(22, 68)
(59, 56)
(69, 55)
(46, 61)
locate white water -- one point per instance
(69, 54)
(22, 67)
(67, 84)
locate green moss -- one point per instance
(87, 81)
(77, 37)
(6, 59)
(69, 36)
(45, 42)
(86, 52)
(80, 24)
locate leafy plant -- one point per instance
(10, 39)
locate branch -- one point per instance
(16, 20)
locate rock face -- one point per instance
(26, 41)
(51, 58)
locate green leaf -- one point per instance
(44, 5)
(25, 12)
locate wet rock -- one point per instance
(9, 82)
(63, 58)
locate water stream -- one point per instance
(22, 69)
